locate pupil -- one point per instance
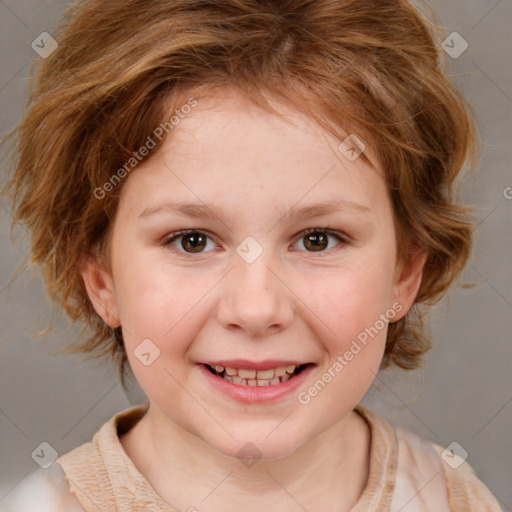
(313, 239)
(198, 241)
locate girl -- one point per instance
(247, 202)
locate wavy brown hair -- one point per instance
(368, 67)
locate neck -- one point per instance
(184, 470)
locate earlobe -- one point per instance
(99, 285)
(408, 280)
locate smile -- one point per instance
(247, 377)
(254, 382)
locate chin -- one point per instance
(250, 449)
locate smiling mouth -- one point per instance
(244, 377)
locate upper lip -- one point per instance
(254, 365)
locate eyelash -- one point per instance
(324, 230)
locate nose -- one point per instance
(256, 298)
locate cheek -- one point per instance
(167, 306)
(352, 314)
(162, 307)
(153, 296)
(348, 299)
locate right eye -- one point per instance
(192, 241)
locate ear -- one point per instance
(408, 276)
(100, 289)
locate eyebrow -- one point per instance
(201, 211)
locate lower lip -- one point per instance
(251, 394)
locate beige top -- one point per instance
(406, 474)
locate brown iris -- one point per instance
(318, 241)
(194, 242)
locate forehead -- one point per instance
(232, 150)
(225, 120)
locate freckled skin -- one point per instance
(290, 303)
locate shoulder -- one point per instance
(420, 483)
(465, 489)
(44, 490)
(426, 482)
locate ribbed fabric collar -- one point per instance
(378, 492)
(104, 478)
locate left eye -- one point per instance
(318, 238)
(193, 242)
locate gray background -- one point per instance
(464, 391)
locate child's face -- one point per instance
(292, 303)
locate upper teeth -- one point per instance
(256, 374)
